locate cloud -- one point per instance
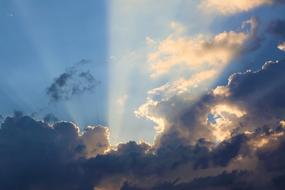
(232, 7)
(75, 81)
(239, 163)
(50, 118)
(282, 46)
(159, 98)
(35, 155)
(245, 121)
(38, 155)
(196, 53)
(277, 27)
(96, 140)
(203, 58)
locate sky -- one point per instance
(142, 94)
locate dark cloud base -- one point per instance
(37, 156)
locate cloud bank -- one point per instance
(186, 154)
(235, 6)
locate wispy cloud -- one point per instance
(234, 6)
(76, 80)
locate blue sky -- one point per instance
(42, 39)
(39, 41)
(142, 94)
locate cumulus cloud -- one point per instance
(74, 81)
(234, 6)
(204, 59)
(245, 101)
(247, 117)
(282, 46)
(195, 53)
(96, 140)
(38, 155)
(50, 118)
(277, 27)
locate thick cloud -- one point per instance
(35, 155)
(220, 182)
(277, 27)
(75, 81)
(250, 99)
(245, 118)
(203, 59)
(247, 161)
(282, 46)
(231, 138)
(259, 93)
(50, 118)
(96, 140)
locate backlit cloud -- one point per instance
(195, 52)
(39, 155)
(203, 58)
(282, 46)
(234, 6)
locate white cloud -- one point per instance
(202, 58)
(227, 7)
(195, 52)
(282, 46)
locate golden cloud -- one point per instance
(226, 7)
(196, 53)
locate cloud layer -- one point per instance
(225, 137)
(249, 109)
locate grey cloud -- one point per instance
(74, 81)
(277, 27)
(35, 155)
(56, 155)
(50, 118)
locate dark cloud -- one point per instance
(50, 118)
(277, 27)
(49, 154)
(254, 107)
(279, 1)
(224, 181)
(1, 118)
(267, 174)
(35, 155)
(74, 81)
